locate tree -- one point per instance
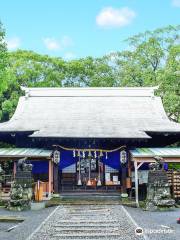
(35, 70)
(3, 58)
(169, 81)
(27, 68)
(89, 72)
(147, 56)
(151, 59)
(30, 69)
(3, 67)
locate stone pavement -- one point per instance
(157, 225)
(23, 229)
(110, 222)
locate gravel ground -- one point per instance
(32, 220)
(164, 222)
(107, 222)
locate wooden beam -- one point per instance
(50, 176)
(139, 165)
(151, 159)
(56, 178)
(123, 179)
(15, 158)
(136, 183)
(14, 168)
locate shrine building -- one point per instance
(89, 139)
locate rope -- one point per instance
(90, 149)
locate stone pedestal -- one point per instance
(158, 191)
(21, 189)
(1, 179)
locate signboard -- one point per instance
(107, 177)
(123, 157)
(142, 176)
(56, 156)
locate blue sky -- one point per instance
(79, 28)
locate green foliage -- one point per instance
(148, 54)
(174, 166)
(151, 59)
(3, 57)
(34, 70)
(91, 72)
(27, 68)
(169, 81)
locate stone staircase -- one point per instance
(87, 222)
(91, 195)
(92, 222)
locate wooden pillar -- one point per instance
(56, 178)
(129, 168)
(50, 176)
(14, 169)
(123, 178)
(136, 183)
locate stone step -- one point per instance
(85, 225)
(91, 210)
(88, 230)
(88, 238)
(87, 214)
(81, 209)
(86, 221)
(85, 207)
(86, 235)
(82, 221)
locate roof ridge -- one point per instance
(89, 91)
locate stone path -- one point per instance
(106, 222)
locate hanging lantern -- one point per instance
(83, 154)
(106, 155)
(99, 173)
(56, 156)
(123, 157)
(89, 154)
(79, 178)
(74, 153)
(99, 183)
(101, 154)
(95, 154)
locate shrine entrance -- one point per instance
(90, 172)
(91, 169)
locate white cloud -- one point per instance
(115, 17)
(13, 43)
(176, 3)
(57, 44)
(69, 55)
(66, 41)
(51, 43)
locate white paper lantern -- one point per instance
(56, 156)
(123, 157)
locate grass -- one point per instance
(11, 219)
(3, 203)
(74, 201)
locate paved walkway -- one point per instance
(157, 225)
(24, 229)
(110, 222)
